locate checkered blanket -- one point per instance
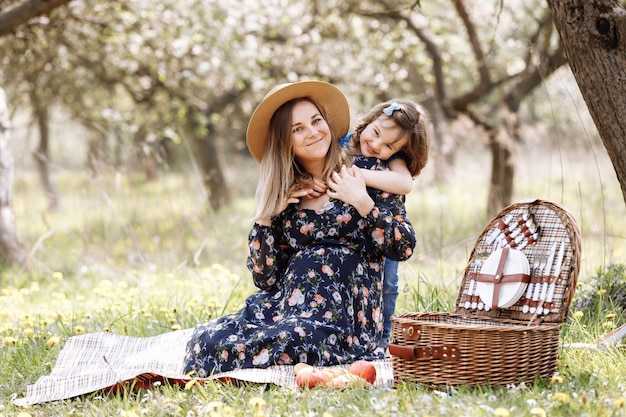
(97, 361)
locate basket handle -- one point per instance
(443, 352)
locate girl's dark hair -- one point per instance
(412, 119)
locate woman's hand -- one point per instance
(317, 187)
(348, 185)
(293, 198)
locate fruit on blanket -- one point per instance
(309, 376)
(347, 381)
(364, 369)
(300, 366)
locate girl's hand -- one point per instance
(348, 185)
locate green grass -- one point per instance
(144, 258)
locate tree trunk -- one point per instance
(42, 155)
(211, 166)
(593, 33)
(10, 249)
(502, 143)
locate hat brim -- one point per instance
(334, 103)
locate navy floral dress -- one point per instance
(320, 278)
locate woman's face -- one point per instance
(382, 138)
(310, 134)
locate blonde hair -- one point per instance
(412, 119)
(280, 171)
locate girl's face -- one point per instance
(310, 134)
(382, 138)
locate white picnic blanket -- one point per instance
(97, 361)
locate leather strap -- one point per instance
(498, 278)
(443, 352)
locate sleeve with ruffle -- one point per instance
(267, 259)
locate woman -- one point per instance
(316, 259)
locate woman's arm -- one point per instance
(267, 259)
(396, 180)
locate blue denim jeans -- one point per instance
(390, 295)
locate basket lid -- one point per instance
(542, 240)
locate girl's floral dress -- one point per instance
(320, 299)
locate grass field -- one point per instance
(142, 258)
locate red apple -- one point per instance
(310, 377)
(364, 369)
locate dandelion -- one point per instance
(501, 412)
(29, 333)
(561, 397)
(57, 275)
(578, 315)
(608, 325)
(556, 379)
(601, 292)
(79, 329)
(256, 402)
(9, 340)
(176, 327)
(53, 341)
(538, 411)
(619, 403)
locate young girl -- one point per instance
(397, 132)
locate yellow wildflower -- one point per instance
(619, 403)
(501, 412)
(561, 397)
(176, 327)
(9, 340)
(215, 405)
(24, 414)
(29, 333)
(609, 315)
(556, 379)
(79, 329)
(256, 402)
(538, 411)
(578, 315)
(53, 340)
(57, 275)
(601, 292)
(608, 325)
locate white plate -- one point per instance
(510, 292)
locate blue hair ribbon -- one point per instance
(390, 109)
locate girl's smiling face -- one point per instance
(310, 134)
(382, 138)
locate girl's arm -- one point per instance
(396, 180)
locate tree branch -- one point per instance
(23, 12)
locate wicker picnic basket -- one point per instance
(486, 340)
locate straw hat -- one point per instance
(326, 95)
